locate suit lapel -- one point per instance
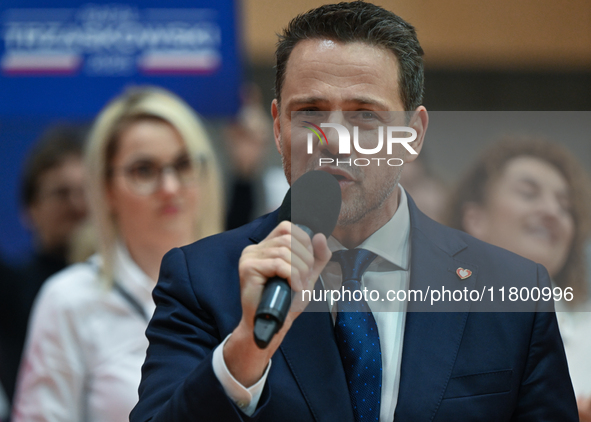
(266, 225)
(311, 352)
(431, 339)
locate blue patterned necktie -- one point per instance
(357, 337)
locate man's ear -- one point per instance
(419, 122)
(276, 124)
(475, 220)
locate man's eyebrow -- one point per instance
(365, 101)
(306, 100)
(371, 102)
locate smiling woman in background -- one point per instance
(532, 197)
(153, 185)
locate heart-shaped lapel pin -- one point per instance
(463, 273)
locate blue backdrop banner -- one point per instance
(68, 57)
(63, 60)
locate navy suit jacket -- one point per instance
(456, 366)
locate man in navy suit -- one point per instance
(203, 364)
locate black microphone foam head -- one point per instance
(314, 201)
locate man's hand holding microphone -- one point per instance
(290, 259)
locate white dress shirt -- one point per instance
(389, 271)
(85, 345)
(575, 330)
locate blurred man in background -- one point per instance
(428, 191)
(247, 141)
(53, 197)
(54, 207)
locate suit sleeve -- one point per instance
(546, 392)
(178, 381)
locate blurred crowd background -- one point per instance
(508, 88)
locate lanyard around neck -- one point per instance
(131, 301)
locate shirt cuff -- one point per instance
(246, 399)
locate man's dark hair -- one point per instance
(55, 145)
(363, 22)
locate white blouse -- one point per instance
(86, 345)
(575, 329)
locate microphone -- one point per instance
(313, 203)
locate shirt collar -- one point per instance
(391, 241)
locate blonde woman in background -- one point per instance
(153, 185)
(532, 197)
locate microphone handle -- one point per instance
(273, 307)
